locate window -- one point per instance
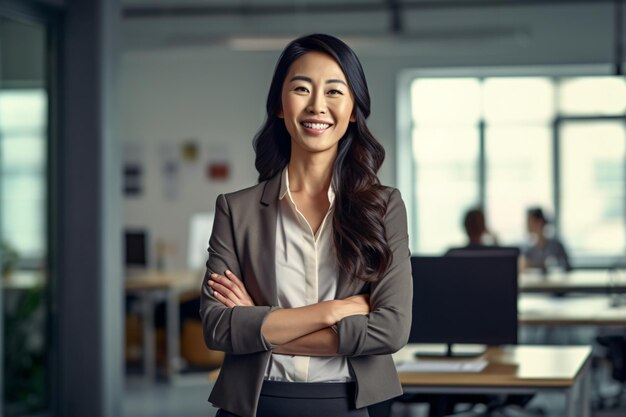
(445, 149)
(26, 346)
(518, 162)
(446, 178)
(508, 143)
(592, 195)
(22, 165)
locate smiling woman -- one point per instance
(308, 283)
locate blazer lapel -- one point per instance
(264, 256)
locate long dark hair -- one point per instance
(360, 204)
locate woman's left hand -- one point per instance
(229, 290)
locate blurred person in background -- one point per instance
(478, 235)
(544, 251)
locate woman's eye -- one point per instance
(302, 89)
(334, 92)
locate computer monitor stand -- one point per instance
(451, 350)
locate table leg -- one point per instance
(577, 398)
(173, 335)
(149, 354)
(585, 387)
(570, 402)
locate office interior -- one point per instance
(121, 121)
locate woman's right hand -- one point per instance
(229, 290)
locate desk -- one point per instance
(592, 310)
(513, 370)
(581, 281)
(152, 287)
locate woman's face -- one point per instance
(317, 104)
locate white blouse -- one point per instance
(306, 273)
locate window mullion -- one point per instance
(556, 173)
(482, 164)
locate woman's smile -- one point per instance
(315, 127)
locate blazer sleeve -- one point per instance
(235, 330)
(386, 328)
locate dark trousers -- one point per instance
(291, 399)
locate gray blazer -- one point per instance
(243, 240)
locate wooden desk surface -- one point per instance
(154, 280)
(518, 366)
(590, 310)
(583, 281)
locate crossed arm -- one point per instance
(296, 331)
(237, 326)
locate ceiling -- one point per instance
(408, 25)
(260, 3)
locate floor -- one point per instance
(188, 398)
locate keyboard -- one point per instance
(444, 366)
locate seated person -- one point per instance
(479, 237)
(543, 251)
(476, 229)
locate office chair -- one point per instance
(615, 353)
(502, 406)
(478, 405)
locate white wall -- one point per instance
(218, 96)
(213, 97)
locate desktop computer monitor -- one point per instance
(200, 228)
(464, 299)
(484, 251)
(135, 248)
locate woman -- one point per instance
(308, 285)
(544, 252)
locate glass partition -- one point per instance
(23, 213)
